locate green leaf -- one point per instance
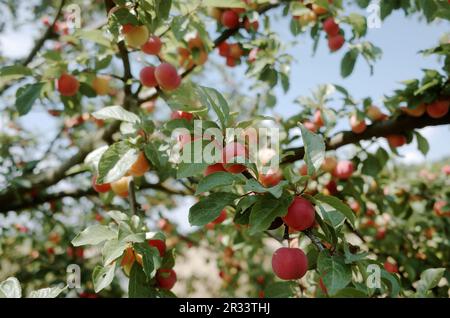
(138, 286)
(116, 161)
(10, 288)
(112, 250)
(371, 166)
(224, 3)
(429, 279)
(422, 143)
(209, 208)
(26, 96)
(338, 205)
(266, 209)
(15, 70)
(218, 179)
(280, 290)
(103, 276)
(150, 258)
(350, 292)
(314, 149)
(253, 185)
(51, 292)
(94, 235)
(335, 274)
(186, 170)
(96, 36)
(348, 63)
(117, 113)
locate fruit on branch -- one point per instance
(310, 126)
(301, 214)
(152, 46)
(415, 112)
(303, 171)
(358, 126)
(149, 106)
(317, 119)
(167, 76)
(374, 113)
(438, 208)
(140, 166)
(217, 167)
(381, 234)
(178, 114)
(344, 170)
(235, 51)
(160, 245)
(289, 263)
(166, 278)
(229, 154)
(224, 49)
(331, 27)
(251, 26)
(147, 76)
(220, 219)
(231, 62)
(121, 186)
(100, 84)
(100, 188)
(252, 55)
(331, 187)
(319, 10)
(356, 208)
(438, 109)
(135, 36)
(335, 42)
(396, 141)
(446, 170)
(329, 164)
(127, 261)
(67, 85)
(230, 19)
(391, 267)
(271, 178)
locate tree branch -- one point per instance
(398, 125)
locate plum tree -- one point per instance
(289, 263)
(300, 215)
(271, 178)
(67, 85)
(374, 113)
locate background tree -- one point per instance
(99, 193)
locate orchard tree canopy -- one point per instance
(167, 162)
